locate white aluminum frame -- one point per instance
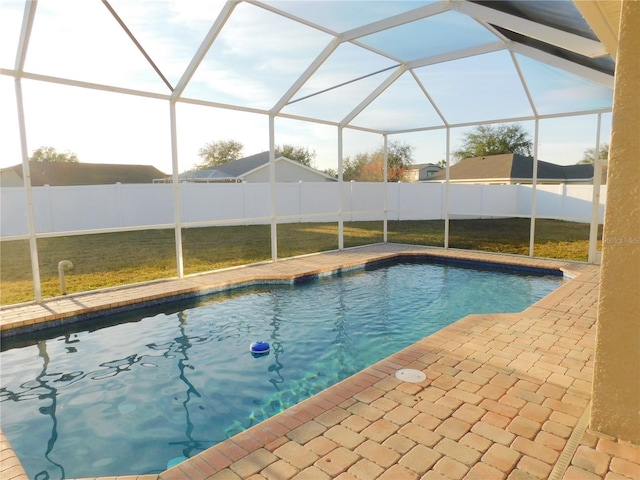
(484, 15)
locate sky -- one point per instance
(252, 63)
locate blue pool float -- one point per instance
(259, 347)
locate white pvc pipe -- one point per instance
(61, 266)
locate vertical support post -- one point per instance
(177, 196)
(26, 176)
(385, 184)
(21, 55)
(340, 190)
(447, 192)
(534, 182)
(272, 190)
(595, 199)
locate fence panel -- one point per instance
(366, 201)
(206, 202)
(318, 198)
(417, 201)
(500, 200)
(577, 202)
(63, 209)
(147, 204)
(465, 200)
(13, 212)
(80, 208)
(257, 201)
(570, 202)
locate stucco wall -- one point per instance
(616, 392)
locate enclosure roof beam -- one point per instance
(213, 33)
(528, 118)
(458, 54)
(271, 8)
(587, 73)
(137, 44)
(523, 82)
(25, 35)
(430, 98)
(350, 35)
(553, 36)
(396, 20)
(302, 79)
(373, 95)
(81, 84)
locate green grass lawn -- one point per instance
(114, 259)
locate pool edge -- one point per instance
(358, 257)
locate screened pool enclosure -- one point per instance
(151, 82)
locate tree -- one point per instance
(590, 154)
(399, 157)
(299, 154)
(219, 152)
(486, 140)
(332, 172)
(365, 167)
(51, 155)
(352, 168)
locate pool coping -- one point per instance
(339, 430)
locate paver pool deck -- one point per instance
(506, 396)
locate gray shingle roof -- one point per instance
(78, 173)
(242, 166)
(230, 170)
(513, 167)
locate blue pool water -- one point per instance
(131, 397)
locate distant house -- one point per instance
(420, 172)
(255, 168)
(68, 173)
(512, 169)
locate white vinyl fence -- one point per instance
(112, 207)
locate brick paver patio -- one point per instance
(506, 396)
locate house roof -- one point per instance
(72, 173)
(202, 175)
(421, 166)
(240, 168)
(513, 167)
(233, 170)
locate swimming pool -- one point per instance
(131, 397)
